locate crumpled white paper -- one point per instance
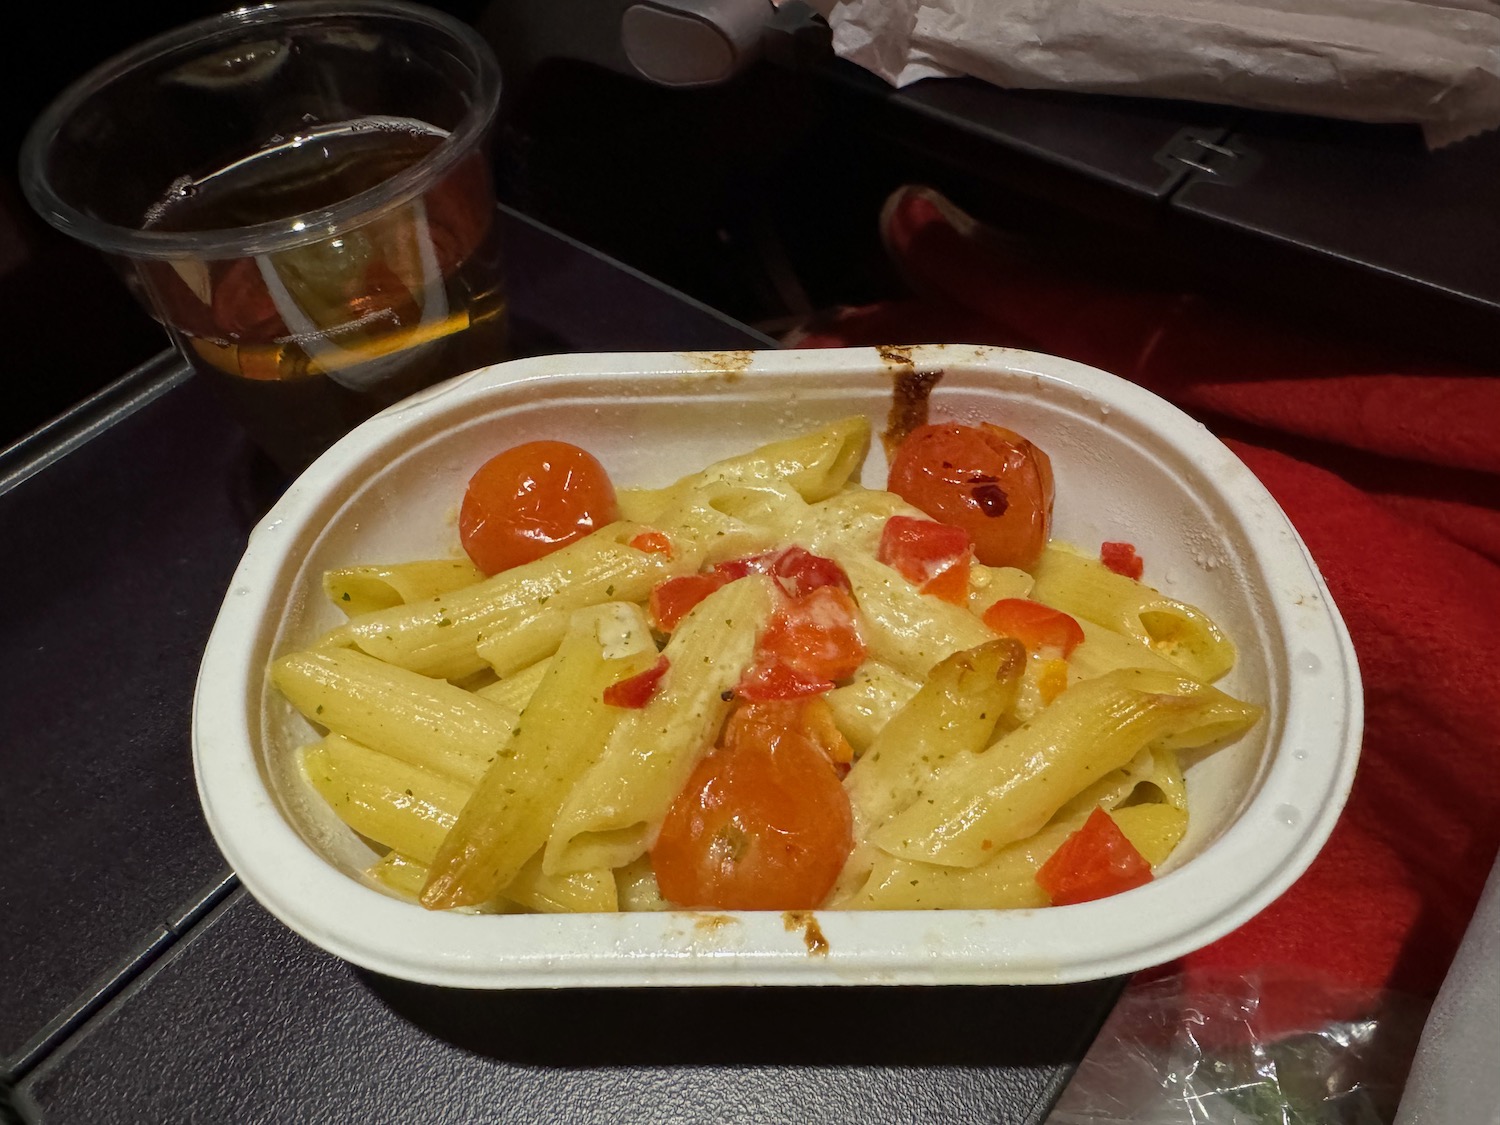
(1435, 63)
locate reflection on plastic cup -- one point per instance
(300, 193)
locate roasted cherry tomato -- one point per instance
(1035, 625)
(764, 822)
(531, 500)
(991, 482)
(1096, 861)
(934, 556)
(1122, 559)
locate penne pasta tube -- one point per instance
(612, 815)
(441, 637)
(853, 519)
(591, 891)
(1174, 630)
(730, 519)
(1012, 789)
(904, 628)
(395, 804)
(637, 888)
(990, 584)
(1007, 881)
(1111, 789)
(527, 639)
(422, 721)
(399, 873)
(560, 734)
(817, 465)
(515, 690)
(574, 893)
(364, 589)
(1104, 650)
(862, 707)
(951, 717)
(1154, 828)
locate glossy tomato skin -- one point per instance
(817, 634)
(1035, 625)
(1094, 862)
(763, 823)
(933, 556)
(990, 481)
(530, 500)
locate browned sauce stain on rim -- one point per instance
(732, 365)
(910, 391)
(711, 924)
(812, 933)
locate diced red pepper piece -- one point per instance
(1095, 862)
(1122, 559)
(732, 570)
(795, 569)
(816, 635)
(1035, 625)
(932, 556)
(672, 598)
(798, 571)
(636, 691)
(653, 543)
(770, 679)
(951, 584)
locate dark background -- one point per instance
(761, 198)
(755, 197)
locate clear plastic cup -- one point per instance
(300, 193)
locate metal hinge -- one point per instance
(1209, 157)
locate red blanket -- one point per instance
(1390, 470)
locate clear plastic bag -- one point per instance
(1273, 1048)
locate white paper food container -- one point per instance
(1128, 466)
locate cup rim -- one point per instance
(274, 235)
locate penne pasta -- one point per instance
(364, 589)
(442, 636)
(862, 707)
(425, 722)
(590, 891)
(816, 464)
(724, 519)
(1006, 881)
(1015, 787)
(610, 818)
(517, 742)
(560, 734)
(531, 890)
(951, 717)
(515, 690)
(852, 520)
(1174, 630)
(904, 628)
(394, 803)
(1154, 829)
(990, 584)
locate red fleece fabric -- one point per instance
(1391, 473)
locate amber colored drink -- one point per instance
(309, 341)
